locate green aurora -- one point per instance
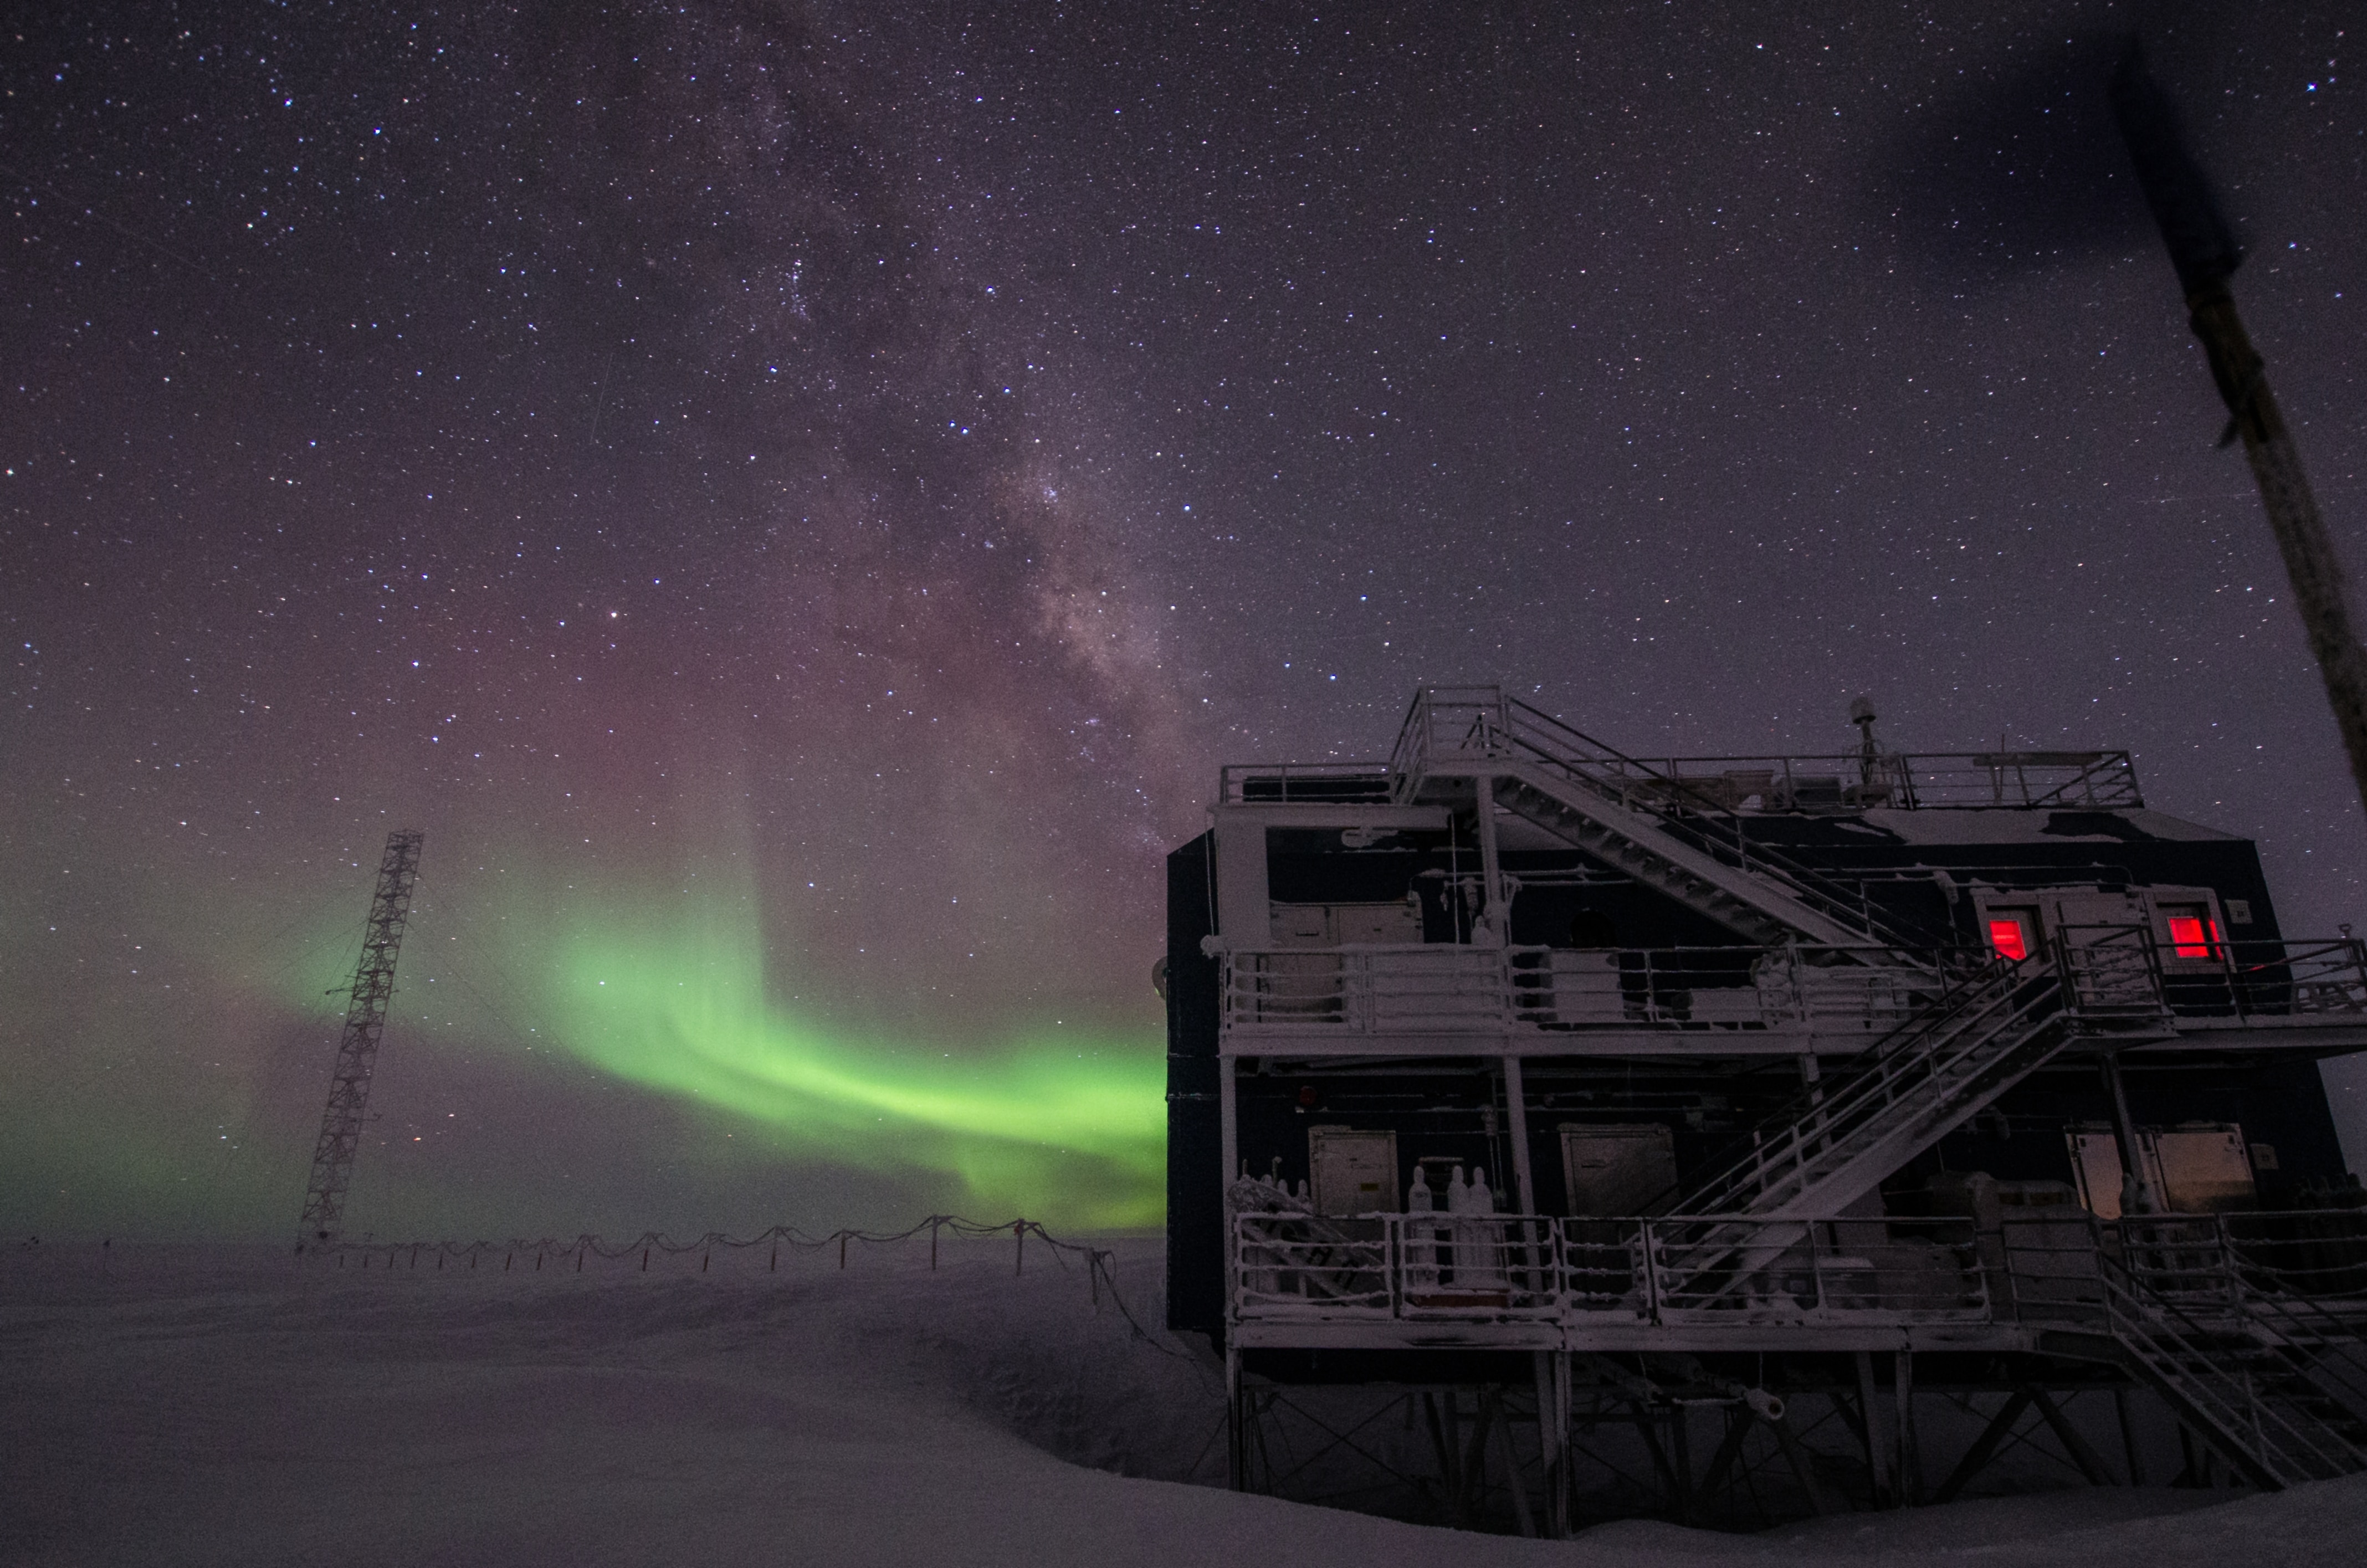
(1043, 1128)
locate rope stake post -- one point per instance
(1100, 1263)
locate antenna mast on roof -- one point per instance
(340, 1122)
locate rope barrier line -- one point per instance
(1100, 1264)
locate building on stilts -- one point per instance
(1741, 1138)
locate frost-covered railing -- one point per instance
(1437, 988)
(1302, 783)
(2250, 1322)
(2306, 1265)
(1669, 1271)
(2304, 979)
(1459, 725)
(2019, 781)
(1445, 988)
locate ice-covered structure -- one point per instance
(1644, 1094)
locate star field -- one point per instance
(808, 496)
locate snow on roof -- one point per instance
(1944, 825)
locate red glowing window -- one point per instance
(2009, 935)
(2193, 934)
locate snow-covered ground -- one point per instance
(201, 1406)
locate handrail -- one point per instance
(1290, 1265)
(2144, 1319)
(1317, 783)
(1487, 724)
(2216, 1344)
(2110, 981)
(1968, 1015)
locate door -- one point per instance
(1618, 1168)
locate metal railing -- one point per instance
(2115, 972)
(1945, 1052)
(1451, 988)
(1441, 988)
(1467, 724)
(2266, 979)
(2266, 1356)
(1455, 729)
(2015, 781)
(1516, 1267)
(1302, 783)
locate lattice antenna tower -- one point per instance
(340, 1122)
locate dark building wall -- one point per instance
(1456, 1110)
(1195, 1134)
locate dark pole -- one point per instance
(2204, 251)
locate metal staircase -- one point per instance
(1980, 1037)
(1659, 830)
(2275, 1383)
(1990, 1023)
(1837, 1142)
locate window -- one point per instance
(2014, 933)
(2193, 933)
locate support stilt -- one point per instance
(1911, 1454)
(1869, 1433)
(1236, 1449)
(2130, 1449)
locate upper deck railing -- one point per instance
(1451, 725)
(1302, 783)
(1421, 992)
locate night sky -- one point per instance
(798, 502)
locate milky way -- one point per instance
(797, 504)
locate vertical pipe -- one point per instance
(1491, 870)
(2137, 1196)
(1228, 1121)
(1230, 1140)
(1516, 1112)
